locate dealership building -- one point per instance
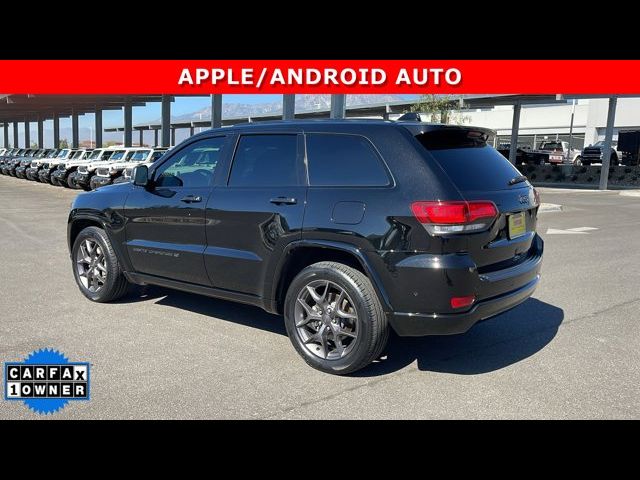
(550, 121)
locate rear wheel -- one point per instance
(71, 181)
(334, 318)
(96, 267)
(578, 161)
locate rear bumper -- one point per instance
(496, 291)
(417, 325)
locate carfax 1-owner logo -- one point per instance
(46, 381)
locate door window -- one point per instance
(266, 161)
(192, 166)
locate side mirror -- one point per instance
(141, 176)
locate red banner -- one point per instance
(319, 76)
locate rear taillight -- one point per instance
(454, 217)
(462, 302)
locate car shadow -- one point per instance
(246, 315)
(490, 345)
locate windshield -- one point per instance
(95, 154)
(63, 153)
(139, 155)
(550, 145)
(117, 155)
(77, 155)
(469, 162)
(129, 156)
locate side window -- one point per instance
(265, 160)
(337, 160)
(193, 166)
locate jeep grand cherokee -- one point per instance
(347, 228)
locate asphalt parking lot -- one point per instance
(572, 351)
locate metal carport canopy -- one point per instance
(20, 108)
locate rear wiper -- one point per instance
(518, 179)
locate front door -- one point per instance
(165, 226)
(258, 211)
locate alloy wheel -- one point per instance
(91, 265)
(326, 320)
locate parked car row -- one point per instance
(555, 152)
(78, 168)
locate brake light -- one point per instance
(451, 217)
(462, 302)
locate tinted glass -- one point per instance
(193, 166)
(265, 160)
(469, 162)
(95, 154)
(344, 160)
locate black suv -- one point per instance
(345, 227)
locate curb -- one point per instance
(630, 193)
(550, 207)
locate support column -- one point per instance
(338, 106)
(166, 121)
(141, 140)
(155, 137)
(608, 136)
(288, 107)
(15, 135)
(98, 125)
(173, 137)
(128, 123)
(40, 132)
(515, 126)
(27, 134)
(56, 130)
(191, 130)
(216, 110)
(75, 130)
(6, 135)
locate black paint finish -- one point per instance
(236, 242)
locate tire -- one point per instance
(578, 161)
(370, 325)
(70, 181)
(614, 160)
(541, 162)
(114, 284)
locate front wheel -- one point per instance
(334, 318)
(578, 161)
(96, 267)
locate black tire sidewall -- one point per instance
(113, 269)
(365, 327)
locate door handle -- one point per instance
(284, 201)
(191, 199)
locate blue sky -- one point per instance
(180, 106)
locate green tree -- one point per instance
(64, 143)
(442, 108)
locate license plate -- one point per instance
(517, 225)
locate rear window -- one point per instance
(344, 160)
(467, 159)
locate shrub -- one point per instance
(583, 170)
(627, 170)
(555, 168)
(547, 176)
(590, 179)
(533, 176)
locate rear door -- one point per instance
(257, 212)
(480, 172)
